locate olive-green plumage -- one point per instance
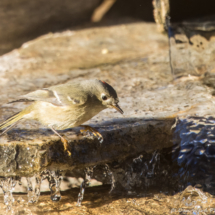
(12, 120)
(66, 105)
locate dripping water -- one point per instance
(54, 185)
(54, 179)
(34, 192)
(110, 173)
(88, 175)
(7, 185)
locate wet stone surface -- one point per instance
(98, 200)
(31, 148)
(27, 151)
(141, 157)
(25, 157)
(194, 147)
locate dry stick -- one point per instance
(101, 10)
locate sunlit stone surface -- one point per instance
(136, 156)
(54, 59)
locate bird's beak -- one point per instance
(117, 107)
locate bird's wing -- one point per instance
(60, 95)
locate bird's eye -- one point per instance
(104, 97)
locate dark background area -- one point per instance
(138, 9)
(24, 20)
(190, 9)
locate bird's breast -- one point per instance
(63, 117)
(87, 113)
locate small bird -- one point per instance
(66, 105)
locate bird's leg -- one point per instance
(93, 130)
(64, 141)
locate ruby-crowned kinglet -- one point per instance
(67, 105)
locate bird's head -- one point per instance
(106, 94)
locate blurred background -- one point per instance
(160, 57)
(23, 20)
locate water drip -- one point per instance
(112, 177)
(84, 184)
(7, 185)
(151, 164)
(54, 185)
(34, 193)
(54, 179)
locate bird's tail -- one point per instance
(11, 121)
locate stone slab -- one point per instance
(133, 58)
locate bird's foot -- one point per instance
(65, 145)
(93, 131)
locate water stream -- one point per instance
(181, 177)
